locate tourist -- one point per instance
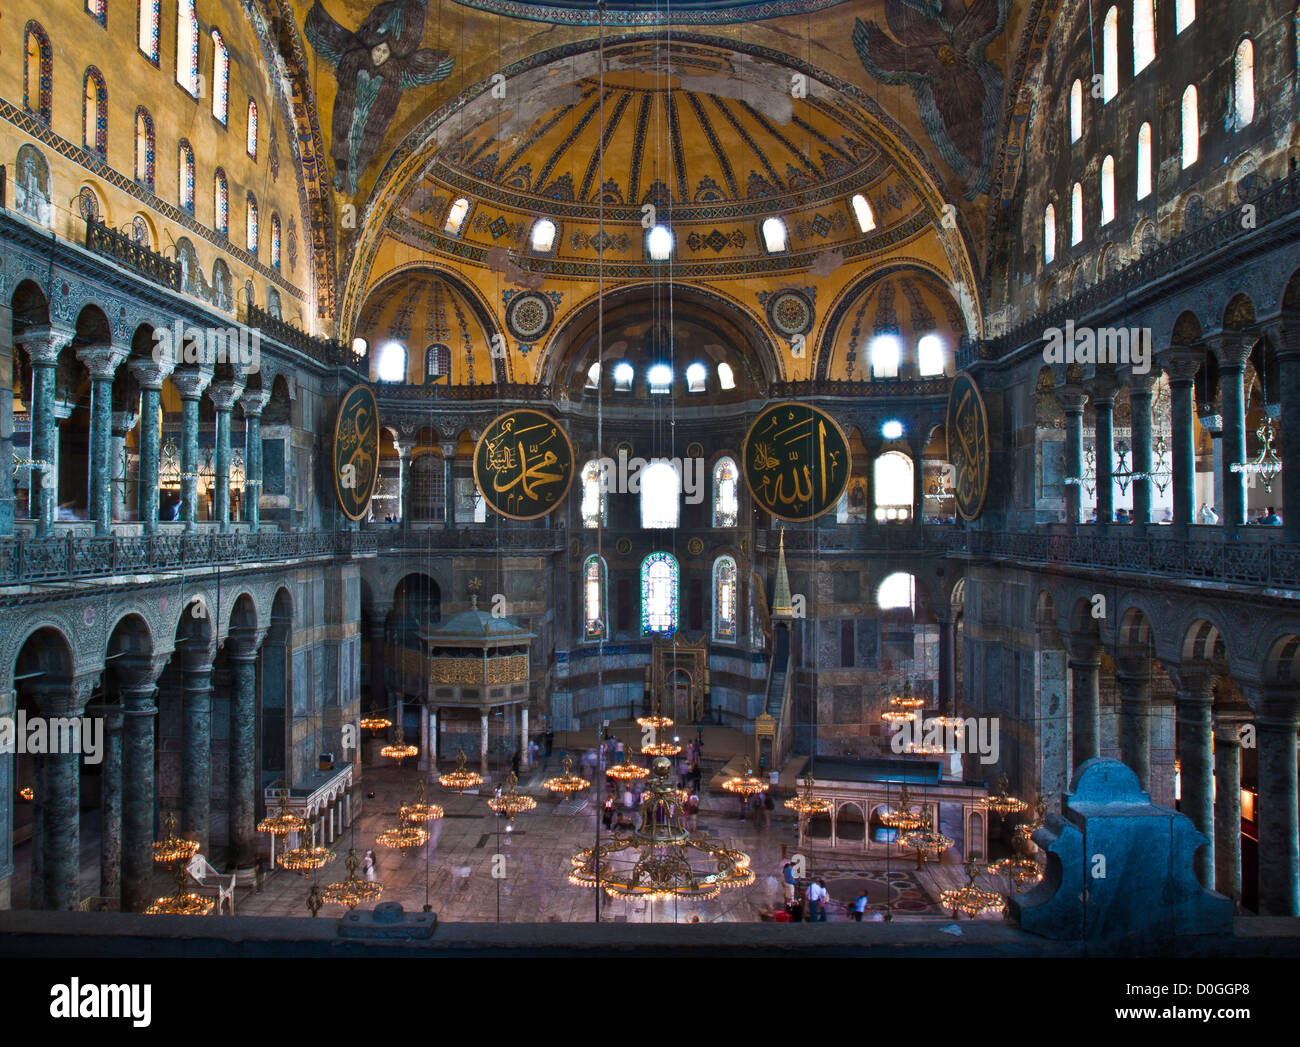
(1270, 518)
(368, 867)
(514, 763)
(607, 816)
(859, 906)
(629, 799)
(787, 882)
(534, 750)
(1168, 516)
(818, 896)
(692, 808)
(548, 740)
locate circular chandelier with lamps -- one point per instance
(354, 890)
(172, 848)
(1002, 802)
(182, 903)
(926, 840)
(398, 749)
(627, 771)
(806, 804)
(419, 812)
(511, 801)
(903, 817)
(661, 859)
(306, 855)
(1020, 869)
(283, 822)
(970, 899)
(403, 837)
(747, 783)
(568, 782)
(462, 777)
(374, 724)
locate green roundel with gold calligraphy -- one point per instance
(796, 461)
(356, 451)
(523, 464)
(967, 431)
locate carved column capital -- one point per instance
(43, 343)
(191, 383)
(149, 374)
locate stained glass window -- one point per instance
(220, 203)
(659, 594)
(726, 503)
(251, 229)
(38, 73)
(724, 598)
(94, 112)
(660, 485)
(98, 10)
(252, 129)
(275, 240)
(187, 47)
(144, 147)
(220, 77)
(185, 176)
(1049, 234)
(437, 363)
(593, 495)
(593, 598)
(147, 17)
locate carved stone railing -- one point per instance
(391, 393)
(139, 258)
(323, 350)
(861, 537)
(1260, 559)
(935, 386)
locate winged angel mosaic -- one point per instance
(936, 47)
(372, 67)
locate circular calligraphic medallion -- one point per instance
(796, 461)
(528, 316)
(523, 464)
(356, 451)
(968, 445)
(695, 547)
(790, 313)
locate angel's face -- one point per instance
(380, 53)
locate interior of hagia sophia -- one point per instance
(284, 284)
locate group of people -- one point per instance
(816, 898)
(1206, 514)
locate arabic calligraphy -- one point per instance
(797, 461)
(968, 446)
(523, 464)
(356, 451)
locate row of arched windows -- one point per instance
(660, 491)
(660, 585)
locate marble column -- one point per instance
(43, 345)
(7, 499)
(916, 445)
(190, 384)
(102, 362)
(449, 484)
(38, 834)
(223, 395)
(1102, 392)
(196, 741)
(1072, 400)
(1277, 715)
(123, 423)
(1288, 368)
(138, 678)
(483, 744)
(1194, 700)
(253, 404)
(524, 761)
(423, 760)
(242, 647)
(62, 412)
(378, 644)
(64, 697)
(1233, 349)
(149, 376)
(1140, 389)
(1181, 365)
(110, 836)
(1135, 723)
(947, 663)
(1227, 802)
(1085, 705)
(404, 449)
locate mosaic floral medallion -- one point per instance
(528, 316)
(790, 313)
(695, 547)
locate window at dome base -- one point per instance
(390, 366)
(659, 595)
(543, 236)
(862, 212)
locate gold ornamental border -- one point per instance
(573, 462)
(744, 456)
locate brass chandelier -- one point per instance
(747, 783)
(806, 804)
(354, 890)
(173, 848)
(374, 724)
(926, 840)
(1020, 869)
(403, 836)
(462, 777)
(1002, 802)
(661, 859)
(511, 801)
(971, 899)
(306, 855)
(419, 812)
(627, 771)
(398, 750)
(174, 851)
(283, 822)
(567, 783)
(902, 817)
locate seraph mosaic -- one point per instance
(372, 67)
(936, 47)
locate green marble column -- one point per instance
(242, 648)
(123, 423)
(149, 375)
(102, 362)
(223, 395)
(110, 829)
(62, 830)
(190, 385)
(138, 678)
(196, 743)
(43, 345)
(253, 404)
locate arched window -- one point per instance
(1191, 128)
(1144, 162)
(220, 202)
(660, 487)
(726, 493)
(593, 376)
(726, 377)
(1076, 110)
(1110, 55)
(251, 142)
(437, 363)
(144, 147)
(696, 376)
(185, 176)
(884, 353)
(1049, 235)
(456, 216)
(863, 213)
(1144, 34)
(543, 238)
(593, 494)
(659, 379)
(892, 479)
(897, 591)
(1076, 214)
(1184, 14)
(251, 226)
(773, 235)
(624, 373)
(220, 77)
(931, 359)
(390, 364)
(187, 47)
(658, 594)
(1108, 190)
(593, 598)
(94, 113)
(38, 73)
(98, 10)
(147, 25)
(724, 598)
(275, 240)
(659, 243)
(1244, 79)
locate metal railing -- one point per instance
(137, 257)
